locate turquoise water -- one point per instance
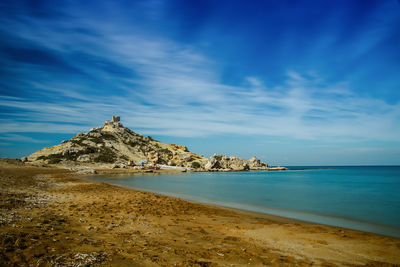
(363, 198)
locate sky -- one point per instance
(292, 82)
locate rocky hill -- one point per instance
(113, 145)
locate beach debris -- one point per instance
(87, 171)
(76, 260)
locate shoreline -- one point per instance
(54, 216)
(321, 219)
(268, 216)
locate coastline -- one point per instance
(53, 215)
(295, 215)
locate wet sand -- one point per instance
(52, 217)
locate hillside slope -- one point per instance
(115, 145)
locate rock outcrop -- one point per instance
(114, 146)
(232, 163)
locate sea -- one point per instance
(364, 198)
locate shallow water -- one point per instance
(362, 198)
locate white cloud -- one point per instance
(20, 138)
(178, 92)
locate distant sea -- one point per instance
(365, 198)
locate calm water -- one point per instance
(363, 198)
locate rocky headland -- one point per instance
(115, 146)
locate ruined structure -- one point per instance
(114, 123)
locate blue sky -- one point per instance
(293, 82)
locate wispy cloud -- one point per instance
(167, 88)
(19, 138)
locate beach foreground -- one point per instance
(52, 216)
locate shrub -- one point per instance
(97, 140)
(41, 158)
(132, 143)
(89, 150)
(124, 157)
(144, 149)
(77, 141)
(108, 136)
(54, 161)
(106, 155)
(55, 158)
(71, 156)
(195, 165)
(165, 151)
(52, 158)
(218, 157)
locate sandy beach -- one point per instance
(54, 217)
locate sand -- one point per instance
(54, 217)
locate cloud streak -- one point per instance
(163, 87)
(20, 138)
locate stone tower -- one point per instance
(116, 118)
(113, 124)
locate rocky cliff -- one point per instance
(225, 163)
(113, 145)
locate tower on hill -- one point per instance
(113, 124)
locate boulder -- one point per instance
(153, 157)
(185, 157)
(95, 134)
(254, 162)
(118, 166)
(89, 143)
(115, 166)
(225, 163)
(84, 158)
(178, 147)
(212, 163)
(237, 164)
(108, 144)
